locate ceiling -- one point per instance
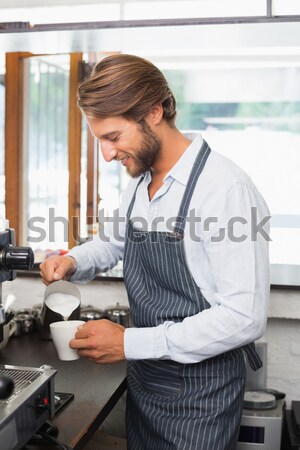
(146, 37)
(159, 40)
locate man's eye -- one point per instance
(114, 139)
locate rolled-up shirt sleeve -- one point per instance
(235, 239)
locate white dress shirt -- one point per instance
(226, 253)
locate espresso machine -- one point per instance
(26, 394)
(11, 259)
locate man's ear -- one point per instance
(155, 115)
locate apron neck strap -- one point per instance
(196, 171)
(129, 210)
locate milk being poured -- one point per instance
(63, 304)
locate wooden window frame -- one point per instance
(13, 141)
(74, 151)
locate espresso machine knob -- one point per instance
(13, 258)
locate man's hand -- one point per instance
(102, 341)
(57, 268)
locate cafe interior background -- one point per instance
(235, 70)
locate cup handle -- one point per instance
(12, 327)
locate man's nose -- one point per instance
(108, 151)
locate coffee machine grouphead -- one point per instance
(11, 259)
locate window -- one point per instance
(43, 141)
(2, 158)
(238, 84)
(245, 100)
(255, 121)
(46, 150)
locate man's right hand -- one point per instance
(57, 268)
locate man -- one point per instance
(196, 274)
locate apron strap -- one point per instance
(197, 168)
(129, 210)
(253, 357)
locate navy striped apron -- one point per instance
(172, 405)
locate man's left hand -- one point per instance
(102, 341)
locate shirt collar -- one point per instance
(182, 169)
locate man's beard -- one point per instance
(148, 152)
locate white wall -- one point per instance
(283, 368)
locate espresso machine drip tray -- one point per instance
(29, 406)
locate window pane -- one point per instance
(255, 121)
(2, 155)
(112, 181)
(46, 125)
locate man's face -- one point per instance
(134, 144)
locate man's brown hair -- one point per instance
(126, 85)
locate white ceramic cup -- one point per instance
(62, 332)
